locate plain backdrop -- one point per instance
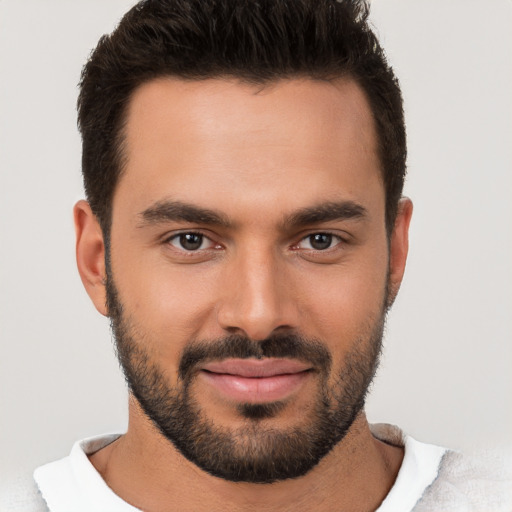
(446, 372)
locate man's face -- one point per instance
(249, 268)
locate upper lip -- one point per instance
(255, 368)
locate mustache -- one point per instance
(289, 346)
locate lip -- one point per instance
(256, 380)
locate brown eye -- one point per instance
(190, 241)
(320, 241)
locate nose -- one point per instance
(258, 297)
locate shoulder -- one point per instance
(435, 479)
(20, 493)
(477, 483)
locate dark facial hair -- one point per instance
(254, 453)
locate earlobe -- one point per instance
(90, 254)
(399, 248)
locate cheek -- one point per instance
(168, 306)
(343, 306)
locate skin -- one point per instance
(256, 156)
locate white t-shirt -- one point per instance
(72, 484)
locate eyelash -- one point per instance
(177, 236)
(332, 238)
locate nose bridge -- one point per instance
(255, 301)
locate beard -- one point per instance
(256, 452)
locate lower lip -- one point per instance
(256, 389)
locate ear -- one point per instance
(90, 254)
(399, 247)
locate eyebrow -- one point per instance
(325, 212)
(168, 211)
(173, 211)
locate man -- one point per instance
(246, 234)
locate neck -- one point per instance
(145, 469)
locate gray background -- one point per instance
(446, 374)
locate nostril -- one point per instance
(278, 331)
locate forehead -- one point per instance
(292, 138)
